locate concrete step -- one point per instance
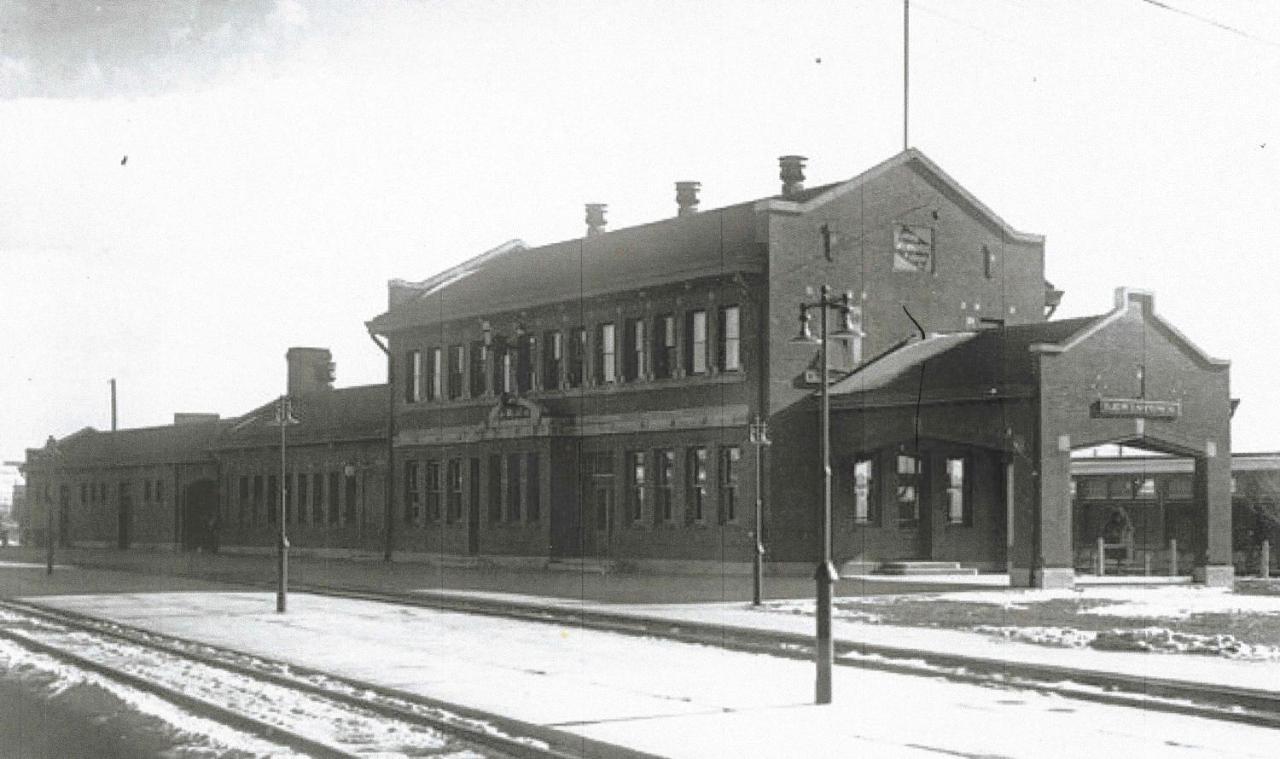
(923, 568)
(587, 566)
(855, 568)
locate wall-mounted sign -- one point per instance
(912, 248)
(1136, 408)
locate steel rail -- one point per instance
(505, 736)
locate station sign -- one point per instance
(1136, 408)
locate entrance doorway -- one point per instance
(598, 487)
(200, 516)
(1136, 511)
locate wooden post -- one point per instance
(1173, 557)
(1264, 560)
(1102, 557)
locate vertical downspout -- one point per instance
(388, 516)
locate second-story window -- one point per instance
(413, 377)
(435, 374)
(457, 359)
(633, 357)
(606, 354)
(501, 365)
(728, 344)
(695, 359)
(664, 346)
(577, 355)
(475, 369)
(526, 346)
(552, 360)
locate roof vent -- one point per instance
(791, 173)
(687, 197)
(595, 218)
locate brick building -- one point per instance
(590, 398)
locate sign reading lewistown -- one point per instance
(1136, 408)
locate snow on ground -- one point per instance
(1155, 602)
(664, 697)
(1153, 639)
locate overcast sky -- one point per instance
(284, 159)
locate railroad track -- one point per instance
(314, 713)
(1249, 706)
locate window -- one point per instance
(334, 494)
(302, 498)
(635, 485)
(457, 363)
(317, 498)
(146, 491)
(1119, 487)
(475, 372)
(495, 489)
(411, 494)
(160, 490)
(863, 479)
(697, 484)
(1180, 487)
(908, 491)
(664, 346)
(552, 360)
(473, 497)
(433, 491)
(577, 354)
(728, 345)
(730, 456)
(526, 346)
(273, 499)
(501, 366)
(633, 357)
(513, 487)
(533, 488)
(1144, 488)
(413, 377)
(988, 263)
(664, 460)
(453, 479)
(959, 509)
(349, 495)
(606, 354)
(695, 359)
(84, 494)
(257, 499)
(1093, 488)
(434, 374)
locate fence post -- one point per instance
(1173, 557)
(1102, 557)
(1264, 571)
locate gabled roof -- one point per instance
(141, 446)
(988, 363)
(348, 413)
(718, 241)
(913, 158)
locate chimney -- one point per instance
(595, 218)
(310, 370)
(792, 174)
(687, 197)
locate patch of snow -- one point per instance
(1061, 637)
(1164, 640)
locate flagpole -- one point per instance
(906, 69)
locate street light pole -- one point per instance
(759, 436)
(284, 418)
(825, 573)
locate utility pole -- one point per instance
(113, 404)
(284, 418)
(906, 69)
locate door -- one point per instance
(599, 491)
(473, 508)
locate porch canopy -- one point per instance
(1027, 396)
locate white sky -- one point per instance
(286, 159)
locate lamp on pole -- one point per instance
(825, 574)
(759, 437)
(284, 417)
